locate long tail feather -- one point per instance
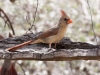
(19, 45)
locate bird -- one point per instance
(8, 68)
(53, 35)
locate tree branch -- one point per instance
(7, 20)
(66, 50)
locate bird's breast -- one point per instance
(56, 38)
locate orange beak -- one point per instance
(69, 21)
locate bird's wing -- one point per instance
(50, 32)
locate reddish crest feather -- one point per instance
(62, 12)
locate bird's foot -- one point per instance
(51, 49)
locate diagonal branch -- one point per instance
(7, 21)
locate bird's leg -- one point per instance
(55, 45)
(50, 48)
(50, 45)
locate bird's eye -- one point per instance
(66, 19)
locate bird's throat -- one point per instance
(62, 30)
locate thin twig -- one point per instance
(35, 13)
(92, 24)
(21, 68)
(28, 20)
(34, 20)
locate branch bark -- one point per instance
(66, 50)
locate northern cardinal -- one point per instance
(8, 68)
(53, 35)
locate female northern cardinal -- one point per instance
(8, 68)
(53, 35)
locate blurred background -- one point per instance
(48, 14)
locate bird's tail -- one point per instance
(19, 46)
(24, 44)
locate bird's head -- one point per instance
(64, 20)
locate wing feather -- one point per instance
(50, 32)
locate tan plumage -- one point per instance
(53, 35)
